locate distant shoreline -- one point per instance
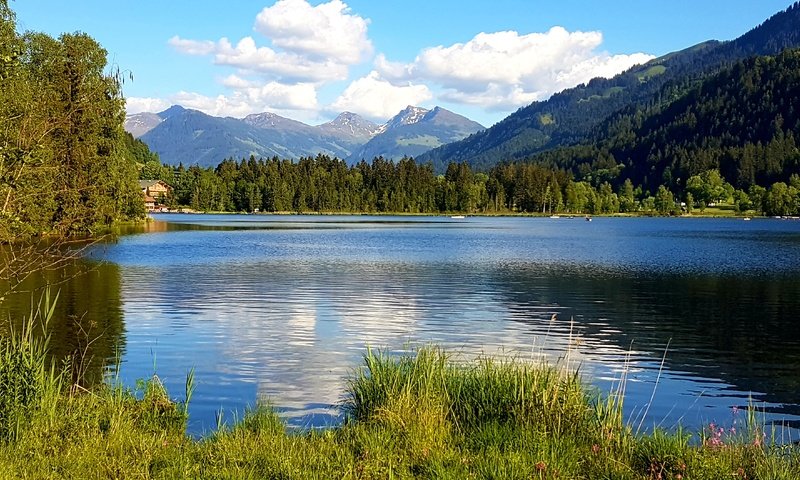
(569, 216)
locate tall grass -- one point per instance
(27, 380)
(487, 390)
(422, 415)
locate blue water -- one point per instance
(281, 308)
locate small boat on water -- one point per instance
(554, 216)
(458, 217)
(588, 219)
(746, 219)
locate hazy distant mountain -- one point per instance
(351, 126)
(141, 123)
(276, 122)
(414, 131)
(569, 117)
(192, 137)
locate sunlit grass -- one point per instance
(423, 415)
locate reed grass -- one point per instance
(423, 415)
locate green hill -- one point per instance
(742, 121)
(571, 116)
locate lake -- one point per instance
(700, 314)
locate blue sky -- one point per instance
(309, 60)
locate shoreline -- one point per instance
(468, 215)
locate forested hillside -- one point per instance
(568, 117)
(743, 122)
(64, 167)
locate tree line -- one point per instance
(328, 184)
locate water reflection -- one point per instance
(740, 331)
(87, 321)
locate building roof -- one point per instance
(149, 183)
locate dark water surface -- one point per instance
(283, 308)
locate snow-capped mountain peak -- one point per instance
(408, 116)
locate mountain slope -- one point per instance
(276, 122)
(141, 123)
(568, 117)
(351, 127)
(743, 121)
(414, 131)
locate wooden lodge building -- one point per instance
(154, 193)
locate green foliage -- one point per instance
(325, 184)
(734, 124)
(782, 199)
(707, 188)
(469, 396)
(663, 454)
(137, 151)
(741, 201)
(63, 169)
(664, 201)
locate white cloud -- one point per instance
(272, 97)
(235, 81)
(378, 99)
(299, 48)
(301, 96)
(600, 66)
(295, 101)
(308, 44)
(327, 31)
(249, 58)
(252, 60)
(192, 47)
(395, 70)
(145, 104)
(494, 97)
(505, 70)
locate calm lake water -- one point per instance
(282, 307)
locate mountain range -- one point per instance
(585, 125)
(181, 135)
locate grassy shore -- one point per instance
(417, 416)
